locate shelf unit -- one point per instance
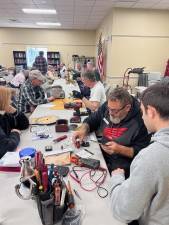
(82, 59)
(20, 59)
(53, 59)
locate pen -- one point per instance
(88, 151)
(77, 194)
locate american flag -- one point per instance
(100, 58)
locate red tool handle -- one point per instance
(45, 180)
(60, 138)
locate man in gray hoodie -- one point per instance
(144, 196)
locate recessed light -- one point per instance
(40, 11)
(48, 24)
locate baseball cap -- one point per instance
(36, 74)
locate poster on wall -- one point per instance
(31, 54)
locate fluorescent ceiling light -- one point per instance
(39, 11)
(48, 24)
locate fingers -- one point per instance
(117, 171)
(76, 135)
(51, 98)
(109, 143)
(10, 109)
(107, 149)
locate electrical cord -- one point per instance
(75, 175)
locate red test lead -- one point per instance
(60, 138)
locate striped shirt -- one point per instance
(30, 96)
(41, 64)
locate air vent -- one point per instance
(14, 21)
(126, 1)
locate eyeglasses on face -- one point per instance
(115, 111)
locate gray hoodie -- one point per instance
(145, 194)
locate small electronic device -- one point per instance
(48, 148)
(81, 114)
(73, 126)
(85, 144)
(90, 163)
(61, 125)
(72, 105)
(75, 119)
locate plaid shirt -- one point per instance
(30, 96)
(41, 64)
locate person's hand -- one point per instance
(110, 147)
(78, 135)
(117, 171)
(32, 108)
(77, 94)
(16, 130)
(51, 98)
(10, 109)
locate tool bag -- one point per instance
(52, 197)
(49, 212)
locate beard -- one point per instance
(115, 120)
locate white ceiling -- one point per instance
(72, 14)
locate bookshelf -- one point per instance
(20, 59)
(53, 59)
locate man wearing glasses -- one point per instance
(122, 129)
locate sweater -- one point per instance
(145, 194)
(10, 140)
(130, 132)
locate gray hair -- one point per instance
(121, 95)
(26, 73)
(36, 74)
(89, 75)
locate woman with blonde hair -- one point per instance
(11, 122)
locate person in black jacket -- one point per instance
(11, 123)
(123, 132)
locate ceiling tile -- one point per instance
(86, 14)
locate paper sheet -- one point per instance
(83, 154)
(10, 159)
(92, 137)
(59, 160)
(58, 151)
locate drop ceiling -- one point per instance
(72, 14)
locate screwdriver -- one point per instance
(71, 202)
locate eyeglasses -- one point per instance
(115, 111)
